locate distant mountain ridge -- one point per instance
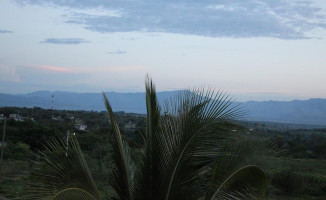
(312, 111)
(128, 102)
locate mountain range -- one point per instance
(312, 111)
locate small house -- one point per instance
(130, 125)
(81, 127)
(2, 116)
(16, 117)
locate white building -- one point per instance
(81, 127)
(58, 118)
(130, 125)
(2, 117)
(16, 117)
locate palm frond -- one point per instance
(147, 177)
(180, 148)
(245, 150)
(189, 139)
(73, 194)
(121, 178)
(60, 167)
(248, 182)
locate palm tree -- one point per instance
(186, 152)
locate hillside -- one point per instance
(312, 111)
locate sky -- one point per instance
(253, 49)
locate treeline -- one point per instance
(302, 165)
(40, 124)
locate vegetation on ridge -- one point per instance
(300, 174)
(183, 146)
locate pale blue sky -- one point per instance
(254, 49)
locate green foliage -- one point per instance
(246, 183)
(291, 183)
(60, 170)
(174, 160)
(20, 151)
(11, 185)
(300, 174)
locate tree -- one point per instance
(20, 150)
(184, 154)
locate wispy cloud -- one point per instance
(99, 11)
(5, 31)
(64, 41)
(221, 7)
(122, 68)
(52, 68)
(234, 18)
(117, 52)
(58, 69)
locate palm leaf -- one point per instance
(73, 194)
(178, 152)
(246, 150)
(60, 167)
(189, 138)
(147, 177)
(248, 182)
(121, 178)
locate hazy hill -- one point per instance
(311, 111)
(128, 102)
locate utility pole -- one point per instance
(67, 141)
(67, 144)
(3, 143)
